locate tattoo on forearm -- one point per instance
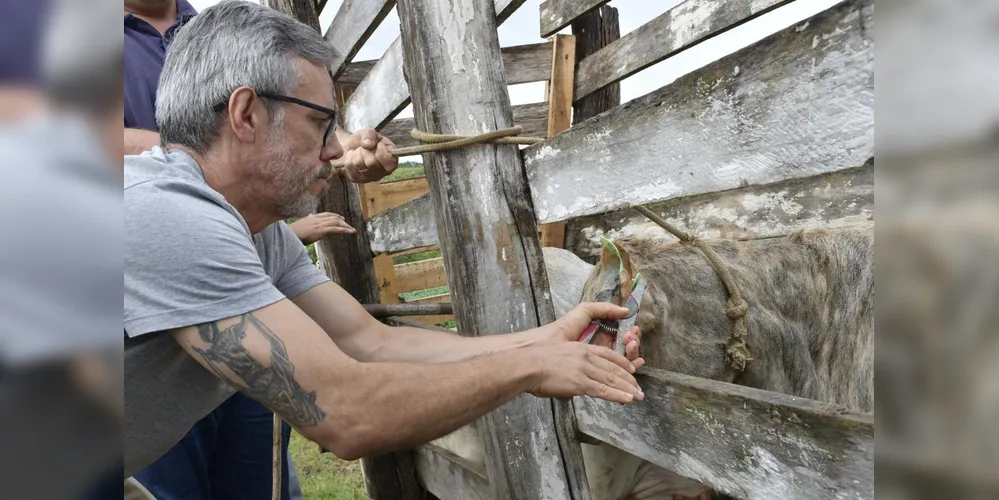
(274, 384)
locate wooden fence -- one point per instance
(774, 137)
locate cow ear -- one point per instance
(627, 272)
(603, 284)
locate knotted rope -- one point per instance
(440, 142)
(736, 350)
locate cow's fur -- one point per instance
(810, 321)
(810, 318)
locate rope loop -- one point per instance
(736, 308)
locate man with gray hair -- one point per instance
(220, 295)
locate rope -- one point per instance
(276, 457)
(736, 350)
(439, 142)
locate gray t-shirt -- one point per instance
(189, 259)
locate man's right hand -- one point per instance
(318, 226)
(570, 369)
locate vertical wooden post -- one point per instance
(594, 31)
(558, 93)
(348, 261)
(487, 226)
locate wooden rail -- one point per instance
(678, 29)
(796, 104)
(557, 14)
(749, 443)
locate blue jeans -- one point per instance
(226, 455)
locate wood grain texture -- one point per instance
(350, 28)
(449, 477)
(407, 226)
(827, 200)
(533, 117)
(557, 14)
(523, 64)
(679, 28)
(487, 228)
(796, 104)
(379, 197)
(420, 275)
(384, 93)
(750, 443)
(593, 31)
(388, 281)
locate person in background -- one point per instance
(226, 454)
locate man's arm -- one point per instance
(138, 140)
(280, 357)
(366, 339)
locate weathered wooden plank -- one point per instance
(384, 93)
(449, 477)
(750, 443)
(527, 63)
(559, 97)
(407, 226)
(594, 31)
(420, 275)
(533, 117)
(350, 28)
(523, 64)
(678, 29)
(488, 232)
(355, 72)
(388, 282)
(557, 14)
(379, 197)
(796, 104)
(753, 212)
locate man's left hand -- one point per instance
(569, 327)
(368, 157)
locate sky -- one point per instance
(523, 27)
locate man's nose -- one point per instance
(332, 150)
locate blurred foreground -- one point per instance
(937, 355)
(60, 249)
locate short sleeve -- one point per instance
(294, 272)
(188, 259)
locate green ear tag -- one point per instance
(620, 262)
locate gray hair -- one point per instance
(232, 44)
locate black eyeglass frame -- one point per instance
(294, 100)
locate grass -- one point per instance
(324, 476)
(414, 257)
(406, 170)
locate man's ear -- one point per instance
(247, 114)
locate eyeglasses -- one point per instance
(294, 100)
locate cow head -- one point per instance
(612, 280)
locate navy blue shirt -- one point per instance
(24, 24)
(145, 52)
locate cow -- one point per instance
(810, 323)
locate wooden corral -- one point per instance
(774, 137)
